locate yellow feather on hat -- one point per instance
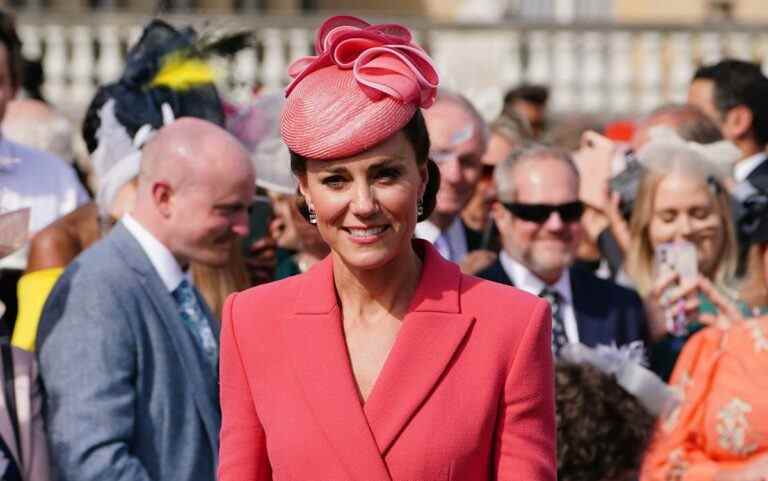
(182, 72)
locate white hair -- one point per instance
(504, 173)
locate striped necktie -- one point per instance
(559, 338)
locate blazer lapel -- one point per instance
(431, 333)
(314, 339)
(196, 374)
(587, 324)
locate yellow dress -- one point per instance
(33, 290)
(722, 419)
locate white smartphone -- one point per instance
(679, 257)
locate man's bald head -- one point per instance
(190, 148)
(688, 121)
(459, 138)
(455, 107)
(195, 186)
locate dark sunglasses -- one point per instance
(539, 213)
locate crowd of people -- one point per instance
(361, 278)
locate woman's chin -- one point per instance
(369, 257)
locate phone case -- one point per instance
(679, 257)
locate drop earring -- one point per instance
(419, 208)
(312, 216)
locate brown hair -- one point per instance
(602, 430)
(416, 133)
(12, 42)
(216, 283)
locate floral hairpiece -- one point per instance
(383, 59)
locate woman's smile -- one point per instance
(366, 235)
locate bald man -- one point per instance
(127, 348)
(459, 138)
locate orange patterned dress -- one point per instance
(722, 419)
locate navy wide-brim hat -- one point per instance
(140, 92)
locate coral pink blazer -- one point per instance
(466, 393)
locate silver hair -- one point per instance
(504, 174)
(666, 156)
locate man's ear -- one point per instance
(738, 122)
(500, 214)
(162, 196)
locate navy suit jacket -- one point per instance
(129, 396)
(605, 312)
(760, 170)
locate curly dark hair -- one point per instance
(10, 38)
(602, 430)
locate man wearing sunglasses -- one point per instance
(538, 215)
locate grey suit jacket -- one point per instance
(128, 395)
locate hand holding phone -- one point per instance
(678, 259)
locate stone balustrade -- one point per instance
(602, 68)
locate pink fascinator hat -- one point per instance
(364, 85)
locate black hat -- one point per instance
(157, 72)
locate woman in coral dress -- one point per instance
(382, 362)
(719, 430)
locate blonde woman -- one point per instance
(680, 197)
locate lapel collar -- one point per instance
(315, 341)
(431, 332)
(196, 373)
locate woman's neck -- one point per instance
(366, 294)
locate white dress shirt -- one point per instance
(526, 280)
(161, 258)
(451, 243)
(44, 183)
(745, 167)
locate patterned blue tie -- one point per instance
(195, 319)
(559, 338)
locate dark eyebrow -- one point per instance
(387, 162)
(335, 170)
(391, 162)
(230, 205)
